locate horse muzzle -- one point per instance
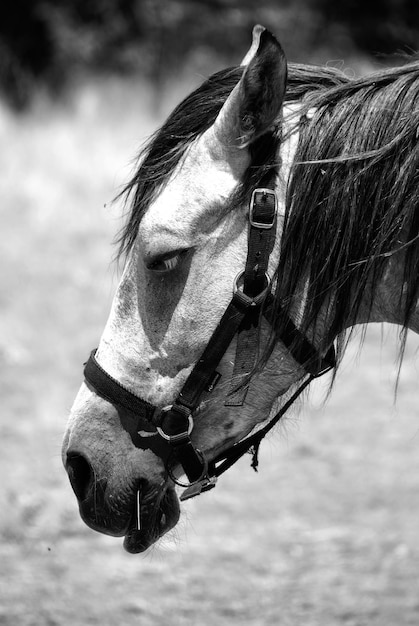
(140, 511)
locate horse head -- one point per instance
(269, 214)
(189, 245)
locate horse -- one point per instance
(273, 211)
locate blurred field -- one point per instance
(326, 533)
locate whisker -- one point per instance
(139, 508)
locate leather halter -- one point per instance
(167, 431)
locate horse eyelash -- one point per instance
(166, 262)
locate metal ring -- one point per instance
(171, 438)
(241, 274)
(194, 482)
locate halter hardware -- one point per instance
(174, 439)
(174, 424)
(261, 296)
(260, 222)
(202, 479)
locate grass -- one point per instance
(325, 533)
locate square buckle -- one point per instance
(264, 191)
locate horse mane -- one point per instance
(352, 204)
(351, 197)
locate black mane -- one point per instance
(351, 199)
(352, 202)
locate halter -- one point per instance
(170, 438)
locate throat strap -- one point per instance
(301, 348)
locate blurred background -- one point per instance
(46, 43)
(326, 532)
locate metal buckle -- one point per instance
(266, 192)
(179, 436)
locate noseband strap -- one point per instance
(115, 392)
(167, 432)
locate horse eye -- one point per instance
(166, 262)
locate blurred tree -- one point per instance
(26, 47)
(44, 42)
(376, 26)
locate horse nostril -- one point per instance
(80, 474)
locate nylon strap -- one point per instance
(261, 238)
(203, 372)
(190, 458)
(301, 349)
(112, 390)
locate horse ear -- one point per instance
(257, 99)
